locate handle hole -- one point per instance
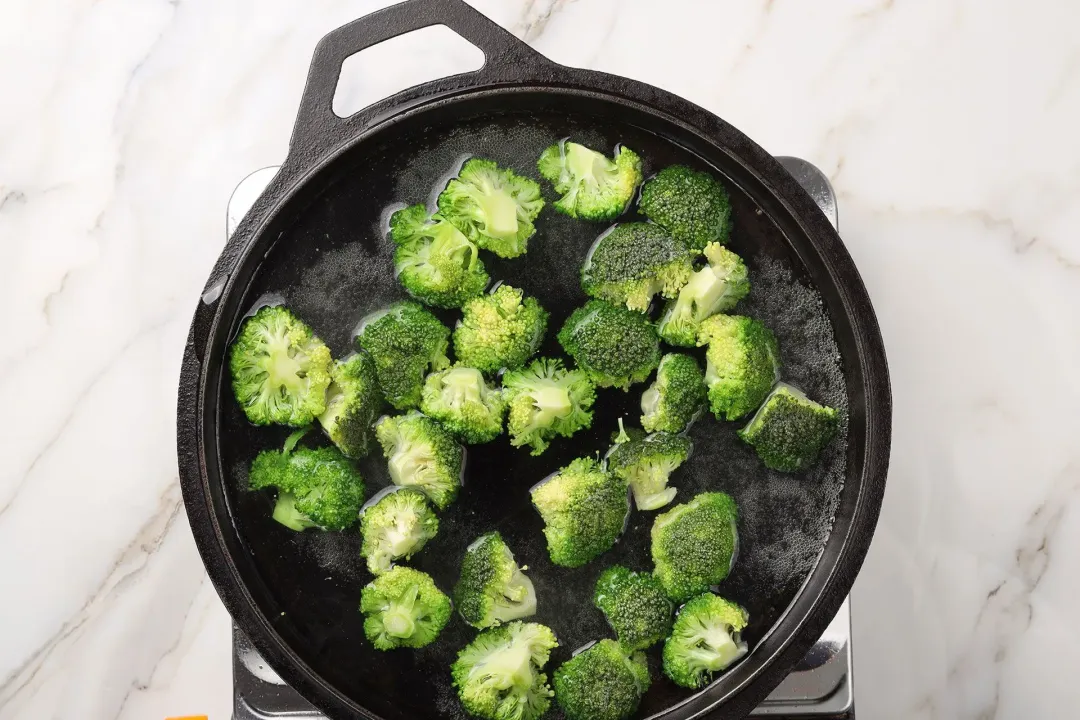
(398, 63)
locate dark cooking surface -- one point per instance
(334, 266)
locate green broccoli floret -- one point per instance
(352, 404)
(646, 465)
(602, 683)
(790, 430)
(403, 608)
(317, 487)
(592, 187)
(742, 363)
(584, 508)
(434, 261)
(546, 400)
(499, 675)
(693, 206)
(634, 261)
(675, 397)
(421, 454)
(614, 346)
(492, 588)
(705, 640)
(493, 206)
(635, 605)
(693, 544)
(395, 526)
(405, 341)
(499, 330)
(715, 288)
(462, 401)
(280, 370)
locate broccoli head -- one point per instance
(492, 588)
(499, 330)
(602, 683)
(396, 525)
(317, 487)
(693, 206)
(675, 397)
(790, 430)
(493, 206)
(434, 261)
(584, 509)
(403, 608)
(592, 187)
(280, 370)
(705, 640)
(694, 544)
(421, 454)
(614, 346)
(632, 262)
(715, 288)
(546, 400)
(404, 341)
(499, 675)
(352, 404)
(742, 363)
(462, 401)
(635, 605)
(646, 465)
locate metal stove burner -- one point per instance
(819, 687)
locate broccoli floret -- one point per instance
(675, 397)
(405, 341)
(280, 370)
(790, 430)
(493, 206)
(715, 288)
(462, 401)
(584, 508)
(403, 608)
(647, 463)
(421, 454)
(395, 526)
(634, 261)
(602, 683)
(317, 487)
(546, 400)
(352, 404)
(499, 330)
(693, 206)
(434, 260)
(592, 187)
(635, 605)
(742, 363)
(705, 640)
(614, 346)
(492, 588)
(499, 675)
(693, 544)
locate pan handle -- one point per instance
(318, 128)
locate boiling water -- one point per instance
(335, 269)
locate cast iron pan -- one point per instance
(316, 238)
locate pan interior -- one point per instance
(332, 265)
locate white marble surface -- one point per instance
(949, 128)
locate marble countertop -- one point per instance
(949, 130)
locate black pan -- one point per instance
(316, 237)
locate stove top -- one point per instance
(819, 687)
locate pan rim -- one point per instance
(833, 585)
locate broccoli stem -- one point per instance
(285, 512)
(293, 439)
(500, 212)
(552, 402)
